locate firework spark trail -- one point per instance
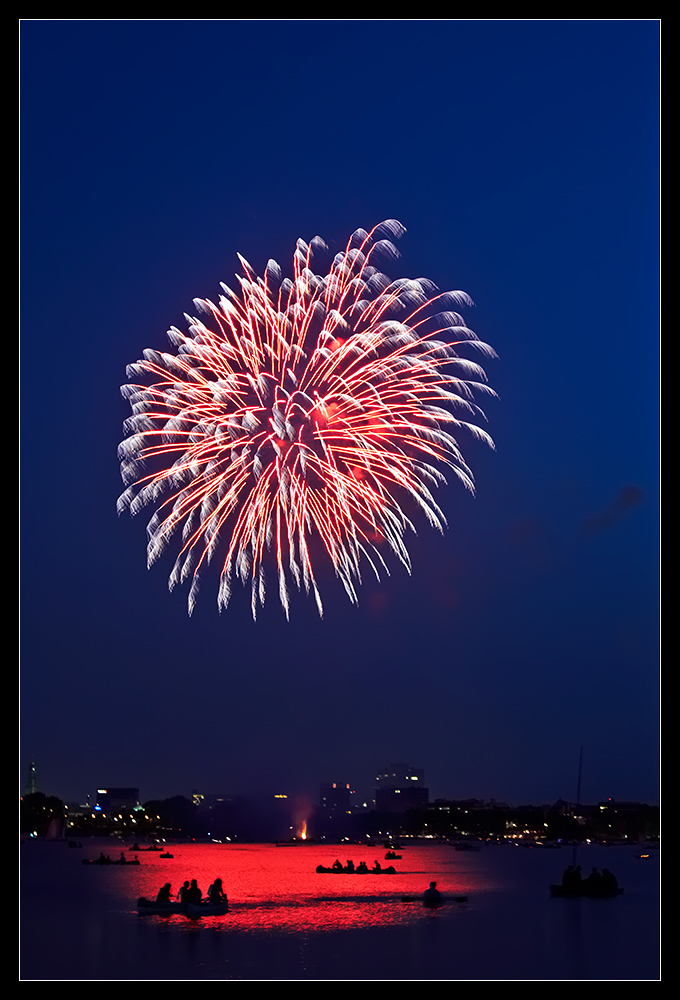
(314, 407)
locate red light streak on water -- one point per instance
(278, 889)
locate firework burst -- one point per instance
(301, 409)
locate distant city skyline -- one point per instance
(359, 796)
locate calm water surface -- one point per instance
(286, 922)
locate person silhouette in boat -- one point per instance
(164, 893)
(432, 896)
(193, 893)
(216, 894)
(593, 884)
(609, 884)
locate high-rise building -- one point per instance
(335, 797)
(400, 787)
(113, 799)
(32, 780)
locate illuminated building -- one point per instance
(111, 800)
(32, 781)
(400, 787)
(335, 797)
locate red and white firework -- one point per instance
(300, 417)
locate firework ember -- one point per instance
(302, 416)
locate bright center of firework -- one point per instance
(307, 408)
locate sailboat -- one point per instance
(595, 886)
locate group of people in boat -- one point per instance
(602, 883)
(191, 893)
(105, 859)
(362, 867)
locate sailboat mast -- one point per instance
(578, 799)
(580, 771)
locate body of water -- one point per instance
(286, 922)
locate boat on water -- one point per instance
(444, 899)
(356, 871)
(296, 842)
(108, 861)
(565, 892)
(150, 906)
(194, 910)
(207, 909)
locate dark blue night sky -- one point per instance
(522, 157)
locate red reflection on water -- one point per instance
(278, 888)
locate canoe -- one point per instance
(207, 909)
(185, 909)
(559, 892)
(353, 871)
(108, 861)
(145, 905)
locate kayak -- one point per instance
(444, 899)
